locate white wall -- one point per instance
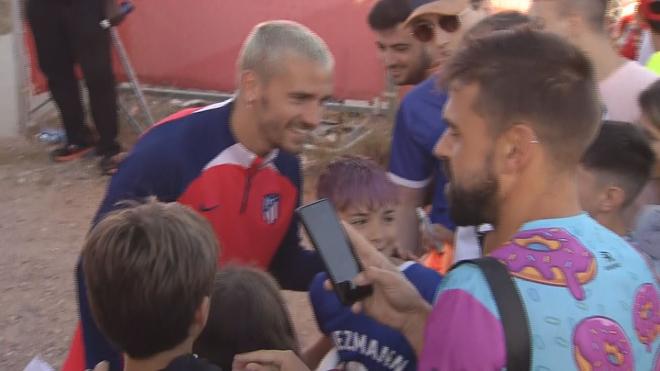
(9, 112)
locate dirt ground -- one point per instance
(45, 211)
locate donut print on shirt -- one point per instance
(646, 314)
(601, 344)
(549, 256)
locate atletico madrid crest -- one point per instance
(270, 209)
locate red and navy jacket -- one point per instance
(194, 159)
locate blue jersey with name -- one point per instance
(359, 339)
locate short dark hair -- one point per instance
(623, 154)
(649, 102)
(147, 270)
(532, 76)
(387, 14)
(506, 20)
(247, 313)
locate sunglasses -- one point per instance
(425, 31)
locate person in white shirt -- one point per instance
(583, 23)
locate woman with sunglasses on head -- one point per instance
(412, 166)
(440, 25)
(443, 23)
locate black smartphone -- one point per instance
(328, 236)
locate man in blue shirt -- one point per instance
(413, 168)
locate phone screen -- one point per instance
(320, 220)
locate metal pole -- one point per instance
(132, 77)
(110, 24)
(22, 66)
(122, 108)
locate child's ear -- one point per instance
(201, 315)
(206, 309)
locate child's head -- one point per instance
(149, 272)
(649, 11)
(614, 169)
(649, 101)
(247, 313)
(363, 196)
(500, 21)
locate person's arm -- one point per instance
(293, 266)
(406, 216)
(96, 347)
(415, 326)
(438, 233)
(313, 355)
(396, 303)
(324, 307)
(144, 173)
(268, 360)
(464, 315)
(442, 225)
(141, 175)
(410, 168)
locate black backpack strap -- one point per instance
(512, 312)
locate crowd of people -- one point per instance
(531, 139)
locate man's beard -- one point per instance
(419, 74)
(475, 205)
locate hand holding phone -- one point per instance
(342, 264)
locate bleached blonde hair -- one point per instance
(269, 44)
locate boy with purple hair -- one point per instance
(365, 198)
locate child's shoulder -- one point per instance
(413, 269)
(425, 280)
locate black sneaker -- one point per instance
(70, 152)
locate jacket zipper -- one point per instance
(251, 172)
